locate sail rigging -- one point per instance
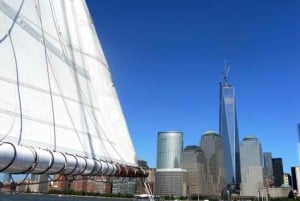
(59, 109)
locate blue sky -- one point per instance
(167, 57)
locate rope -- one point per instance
(18, 88)
(48, 75)
(13, 23)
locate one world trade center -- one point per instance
(229, 131)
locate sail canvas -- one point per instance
(59, 109)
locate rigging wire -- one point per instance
(8, 35)
(38, 10)
(18, 89)
(13, 23)
(64, 52)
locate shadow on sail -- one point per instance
(59, 109)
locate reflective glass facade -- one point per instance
(229, 132)
(277, 171)
(169, 148)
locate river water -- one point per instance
(37, 197)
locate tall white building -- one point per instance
(251, 167)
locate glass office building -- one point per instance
(169, 148)
(277, 171)
(229, 131)
(170, 179)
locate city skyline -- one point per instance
(166, 60)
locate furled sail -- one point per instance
(59, 110)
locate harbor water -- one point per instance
(39, 197)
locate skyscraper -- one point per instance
(277, 171)
(252, 177)
(193, 160)
(268, 167)
(228, 129)
(211, 144)
(169, 148)
(296, 179)
(170, 179)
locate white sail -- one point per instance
(59, 109)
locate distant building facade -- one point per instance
(277, 171)
(296, 179)
(252, 176)
(212, 146)
(172, 182)
(228, 129)
(40, 183)
(193, 161)
(268, 169)
(170, 179)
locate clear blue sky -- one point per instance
(167, 56)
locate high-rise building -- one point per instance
(228, 129)
(252, 177)
(277, 171)
(296, 179)
(170, 178)
(212, 145)
(193, 160)
(169, 148)
(268, 168)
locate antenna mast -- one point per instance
(226, 71)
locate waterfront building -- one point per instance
(277, 171)
(171, 182)
(193, 160)
(268, 168)
(96, 184)
(170, 179)
(228, 129)
(212, 146)
(40, 183)
(296, 179)
(126, 188)
(252, 177)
